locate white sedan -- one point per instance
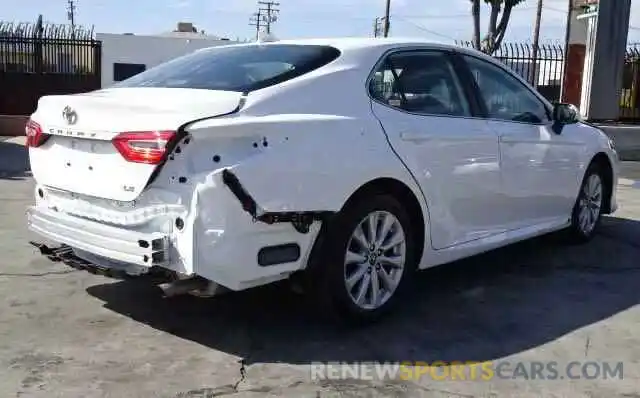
(349, 162)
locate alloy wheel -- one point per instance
(590, 204)
(375, 260)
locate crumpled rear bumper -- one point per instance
(118, 244)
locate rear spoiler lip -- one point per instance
(182, 133)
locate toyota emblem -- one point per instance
(70, 115)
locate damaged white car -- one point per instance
(350, 162)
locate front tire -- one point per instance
(367, 260)
(587, 211)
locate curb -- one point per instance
(625, 182)
(629, 155)
(18, 140)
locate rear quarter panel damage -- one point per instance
(287, 163)
(304, 145)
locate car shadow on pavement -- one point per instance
(483, 308)
(14, 161)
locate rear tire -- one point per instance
(587, 211)
(366, 261)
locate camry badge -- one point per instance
(70, 115)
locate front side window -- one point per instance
(506, 98)
(420, 82)
(235, 68)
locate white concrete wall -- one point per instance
(147, 50)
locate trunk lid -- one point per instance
(80, 156)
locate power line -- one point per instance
(71, 12)
(430, 16)
(555, 10)
(433, 32)
(270, 13)
(256, 20)
(387, 22)
(440, 16)
(377, 28)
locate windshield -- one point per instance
(235, 68)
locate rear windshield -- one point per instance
(235, 68)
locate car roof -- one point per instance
(346, 44)
(370, 46)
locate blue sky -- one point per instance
(433, 19)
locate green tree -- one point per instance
(500, 10)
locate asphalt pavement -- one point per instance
(66, 333)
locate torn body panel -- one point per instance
(137, 233)
(66, 255)
(291, 165)
(270, 180)
(301, 220)
(298, 162)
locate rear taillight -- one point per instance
(144, 146)
(35, 135)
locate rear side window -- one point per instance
(422, 82)
(236, 68)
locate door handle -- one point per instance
(509, 139)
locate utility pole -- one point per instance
(536, 41)
(71, 13)
(607, 34)
(270, 15)
(567, 42)
(256, 20)
(386, 18)
(377, 28)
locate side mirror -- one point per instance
(565, 114)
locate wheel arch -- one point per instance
(397, 189)
(602, 160)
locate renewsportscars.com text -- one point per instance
(472, 371)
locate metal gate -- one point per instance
(37, 60)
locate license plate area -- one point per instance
(86, 146)
(88, 166)
(83, 155)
